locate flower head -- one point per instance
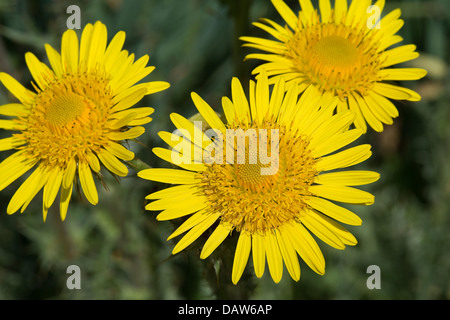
(76, 119)
(264, 175)
(342, 51)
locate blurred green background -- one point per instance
(120, 248)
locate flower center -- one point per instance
(67, 120)
(336, 52)
(65, 109)
(259, 195)
(335, 57)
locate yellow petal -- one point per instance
(126, 135)
(214, 240)
(344, 158)
(28, 189)
(52, 187)
(20, 92)
(240, 101)
(241, 256)
(87, 183)
(10, 143)
(259, 254)
(112, 163)
(191, 222)
(274, 259)
(306, 246)
(195, 232)
(347, 178)
(14, 167)
(169, 176)
(334, 211)
(64, 201)
(69, 51)
(343, 194)
(288, 253)
(286, 13)
(40, 72)
(208, 113)
(120, 151)
(55, 60)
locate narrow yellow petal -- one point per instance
(28, 190)
(340, 10)
(334, 211)
(120, 151)
(306, 246)
(176, 202)
(69, 51)
(214, 240)
(274, 259)
(347, 178)
(40, 72)
(19, 91)
(259, 254)
(343, 194)
(240, 101)
(69, 174)
(288, 253)
(344, 158)
(191, 222)
(402, 74)
(320, 229)
(262, 96)
(208, 113)
(169, 176)
(156, 86)
(182, 210)
(13, 110)
(325, 10)
(52, 186)
(241, 256)
(10, 143)
(87, 183)
(173, 191)
(112, 163)
(336, 142)
(126, 135)
(395, 92)
(187, 163)
(330, 227)
(195, 232)
(65, 196)
(286, 13)
(14, 167)
(55, 60)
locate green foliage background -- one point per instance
(121, 249)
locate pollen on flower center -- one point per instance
(254, 202)
(335, 58)
(336, 51)
(67, 119)
(65, 108)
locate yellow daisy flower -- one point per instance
(343, 52)
(77, 118)
(271, 194)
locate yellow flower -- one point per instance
(264, 175)
(77, 118)
(343, 52)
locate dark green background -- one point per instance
(121, 249)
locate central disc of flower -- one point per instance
(269, 188)
(336, 52)
(67, 119)
(65, 108)
(336, 58)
